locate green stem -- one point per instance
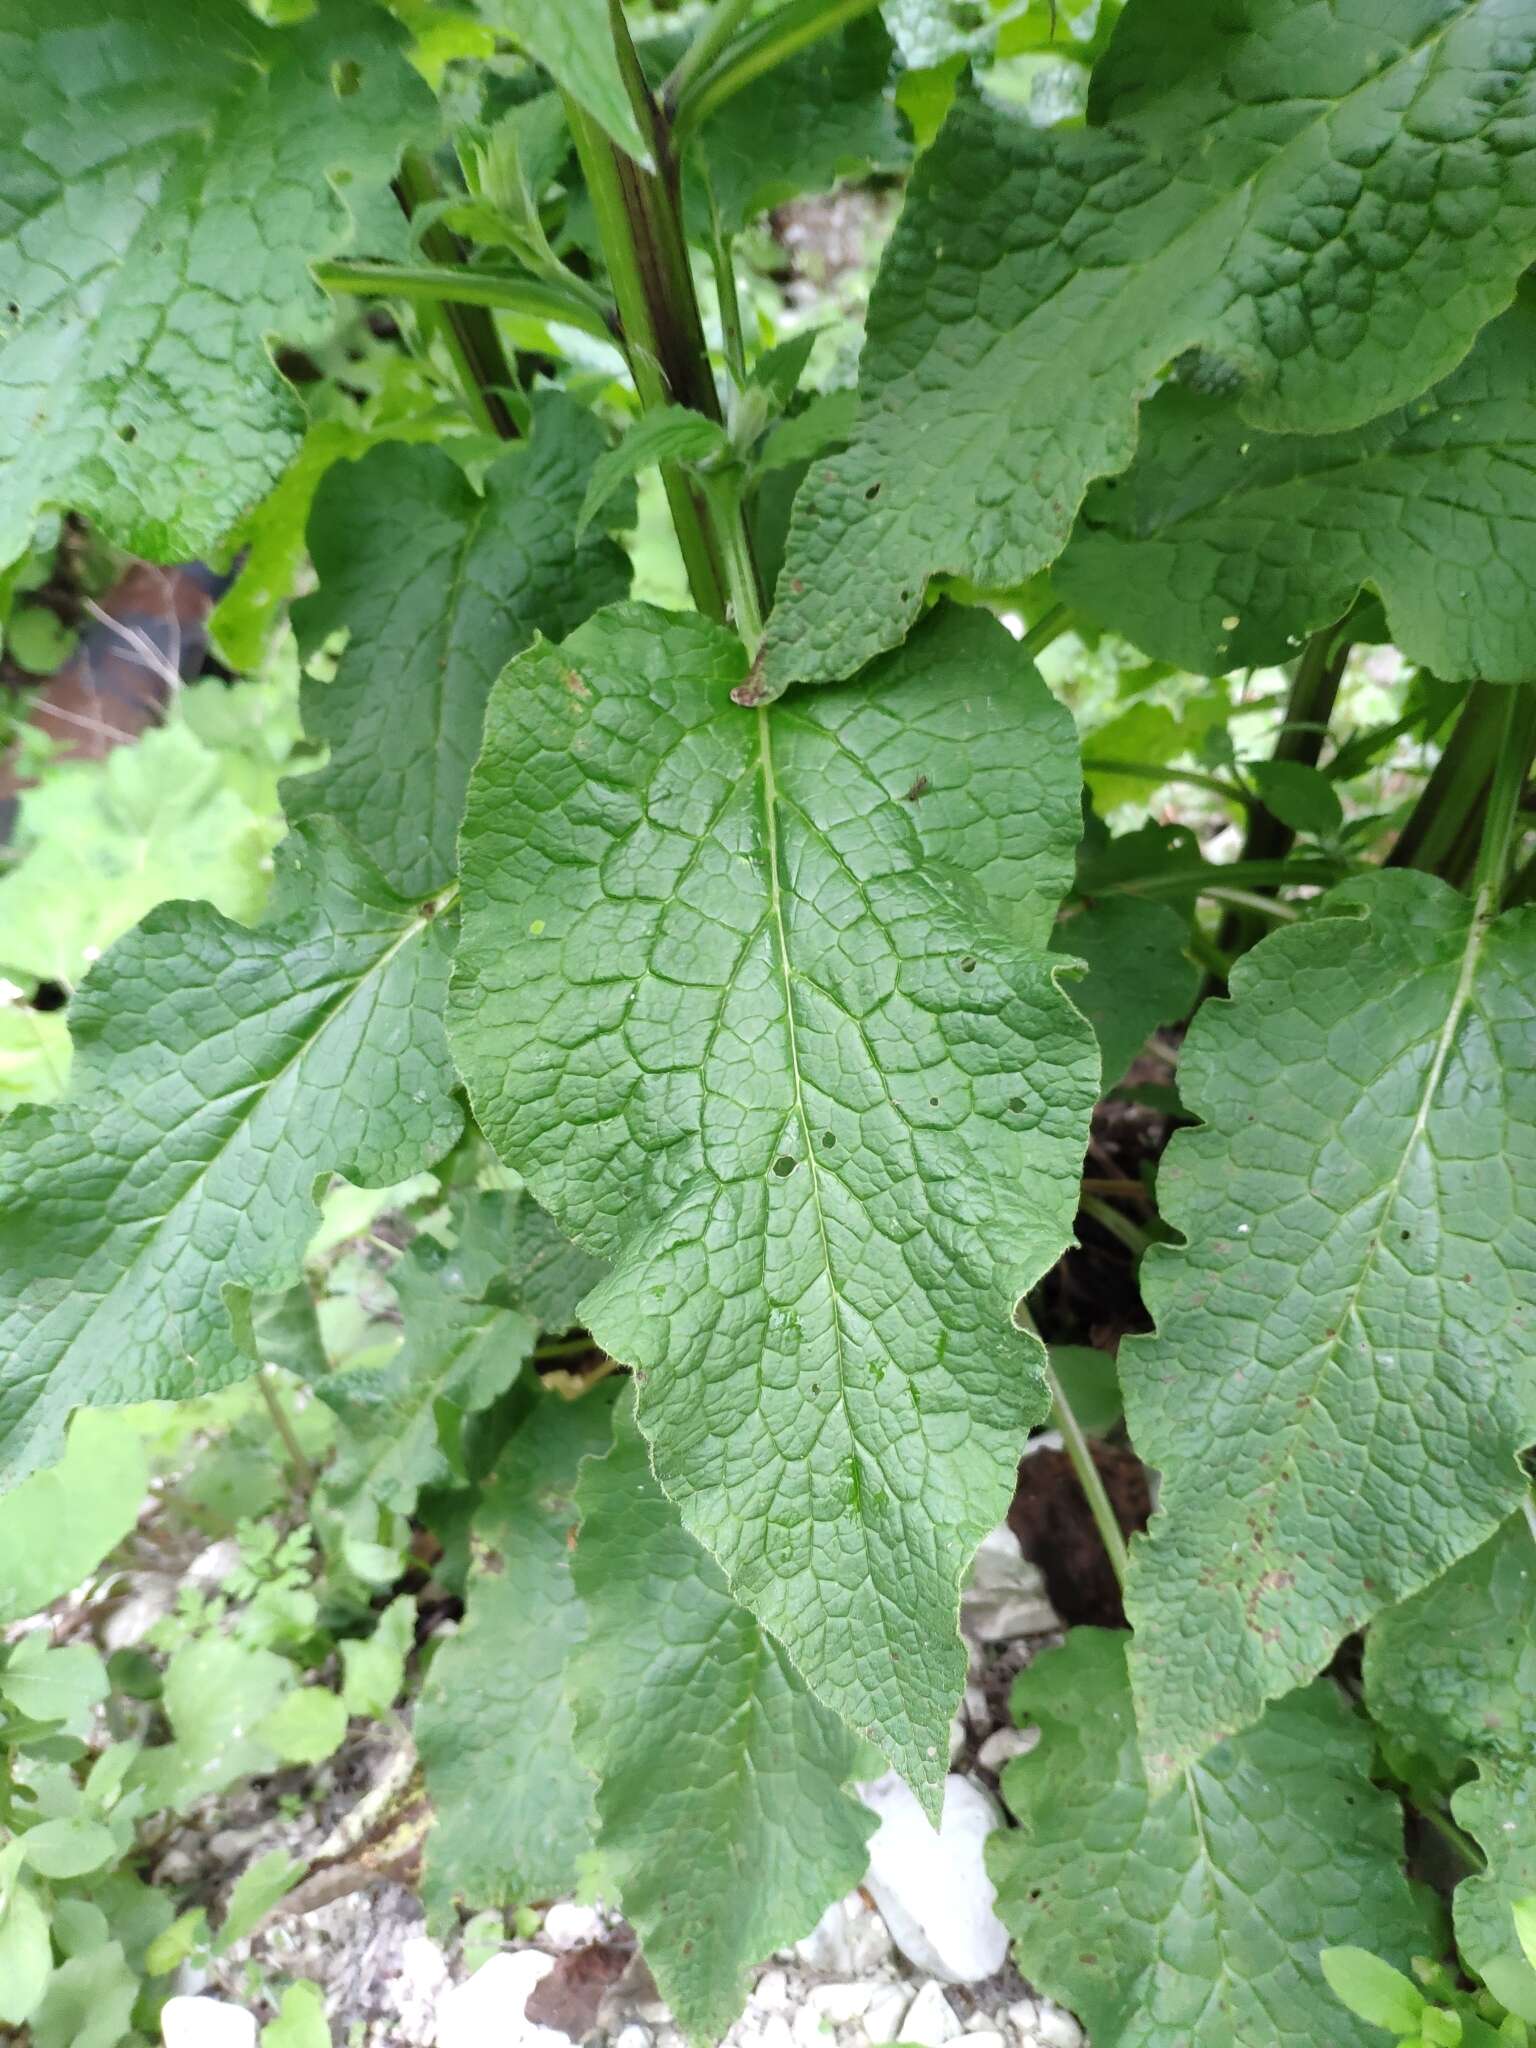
(1080, 1455)
(1308, 873)
(722, 261)
(611, 193)
(1153, 771)
(740, 568)
(722, 23)
(1517, 744)
(468, 331)
(759, 47)
(1109, 1218)
(512, 292)
(1309, 707)
(1456, 789)
(1251, 900)
(1050, 625)
(640, 222)
(303, 1472)
(1449, 1833)
(564, 1347)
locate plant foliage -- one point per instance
(1044, 853)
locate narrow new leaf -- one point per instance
(1195, 1919)
(513, 1805)
(760, 1006)
(170, 173)
(1452, 1673)
(669, 434)
(438, 585)
(221, 1072)
(1350, 1319)
(1284, 189)
(721, 1813)
(1223, 548)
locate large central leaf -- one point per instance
(167, 175)
(221, 1071)
(1350, 1321)
(760, 1005)
(1327, 201)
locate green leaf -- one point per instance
(1346, 1325)
(760, 1007)
(1194, 1920)
(669, 434)
(216, 1693)
(104, 841)
(69, 1846)
(513, 1806)
(1301, 797)
(47, 1684)
(1373, 1990)
(1139, 973)
(437, 585)
(220, 1072)
(1250, 184)
(822, 114)
(26, 1954)
(373, 1667)
(1452, 1672)
(460, 1353)
(300, 2022)
(574, 42)
(720, 1810)
(89, 2002)
(306, 1726)
(259, 1887)
(60, 1524)
(825, 423)
(208, 154)
(1222, 548)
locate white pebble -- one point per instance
(206, 2023)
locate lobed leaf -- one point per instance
(1223, 548)
(761, 1008)
(1327, 203)
(1341, 1382)
(1452, 1672)
(221, 1072)
(437, 585)
(170, 172)
(721, 1814)
(1195, 1919)
(513, 1805)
